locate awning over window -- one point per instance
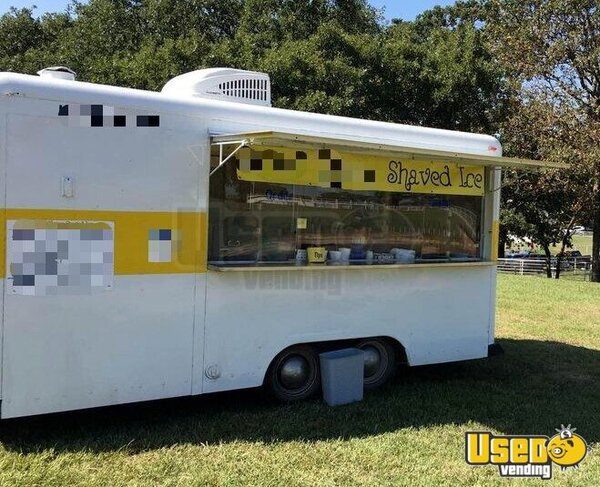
(298, 141)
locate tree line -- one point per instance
(527, 71)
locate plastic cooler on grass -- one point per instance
(342, 373)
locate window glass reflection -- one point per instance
(253, 222)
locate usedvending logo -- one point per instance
(526, 455)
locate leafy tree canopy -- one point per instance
(330, 56)
(550, 52)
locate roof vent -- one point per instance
(223, 84)
(58, 72)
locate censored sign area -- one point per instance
(332, 169)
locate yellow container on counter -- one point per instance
(316, 255)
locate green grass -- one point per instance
(409, 433)
(583, 243)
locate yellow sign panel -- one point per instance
(330, 169)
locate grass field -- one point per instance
(409, 433)
(583, 243)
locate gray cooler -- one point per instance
(342, 374)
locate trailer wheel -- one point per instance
(380, 362)
(294, 374)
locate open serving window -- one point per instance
(290, 200)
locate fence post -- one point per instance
(522, 265)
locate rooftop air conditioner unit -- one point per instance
(226, 84)
(57, 72)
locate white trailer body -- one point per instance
(107, 295)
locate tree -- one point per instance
(544, 206)
(439, 73)
(28, 44)
(512, 224)
(553, 201)
(328, 73)
(330, 56)
(317, 53)
(551, 51)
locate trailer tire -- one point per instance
(380, 362)
(294, 374)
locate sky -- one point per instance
(407, 9)
(404, 9)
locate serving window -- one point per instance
(267, 207)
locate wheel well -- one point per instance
(401, 357)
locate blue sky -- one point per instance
(405, 9)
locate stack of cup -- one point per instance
(301, 256)
(334, 255)
(404, 256)
(345, 254)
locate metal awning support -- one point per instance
(283, 139)
(240, 143)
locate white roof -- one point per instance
(229, 117)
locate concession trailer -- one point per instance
(199, 240)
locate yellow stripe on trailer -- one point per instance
(132, 230)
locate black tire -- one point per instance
(294, 388)
(377, 375)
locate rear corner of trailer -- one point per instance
(492, 218)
